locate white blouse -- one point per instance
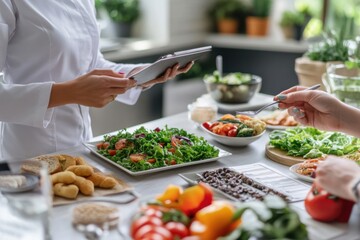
(43, 42)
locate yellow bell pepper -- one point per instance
(212, 221)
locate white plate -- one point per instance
(31, 183)
(232, 141)
(259, 100)
(92, 147)
(293, 169)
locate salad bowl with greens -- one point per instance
(233, 87)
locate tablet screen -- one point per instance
(157, 68)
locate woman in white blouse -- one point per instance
(49, 51)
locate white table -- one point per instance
(155, 183)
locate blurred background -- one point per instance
(268, 38)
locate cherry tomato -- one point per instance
(143, 221)
(99, 145)
(151, 160)
(112, 152)
(232, 132)
(177, 229)
(206, 125)
(214, 124)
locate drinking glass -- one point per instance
(32, 201)
(343, 83)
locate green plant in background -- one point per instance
(332, 48)
(261, 8)
(124, 11)
(291, 18)
(223, 9)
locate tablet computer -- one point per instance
(157, 68)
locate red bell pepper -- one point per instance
(326, 207)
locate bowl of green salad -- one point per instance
(232, 87)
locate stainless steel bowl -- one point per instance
(234, 93)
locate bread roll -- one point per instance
(85, 186)
(102, 181)
(63, 177)
(66, 161)
(51, 160)
(81, 170)
(80, 161)
(66, 191)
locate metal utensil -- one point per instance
(254, 113)
(219, 65)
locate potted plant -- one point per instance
(292, 24)
(258, 20)
(226, 14)
(123, 13)
(311, 67)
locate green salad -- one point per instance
(146, 149)
(310, 142)
(231, 78)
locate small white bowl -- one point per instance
(232, 141)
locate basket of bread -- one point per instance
(74, 179)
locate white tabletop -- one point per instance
(150, 185)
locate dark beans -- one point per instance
(237, 185)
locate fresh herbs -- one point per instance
(312, 143)
(270, 219)
(146, 149)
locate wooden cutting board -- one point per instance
(281, 157)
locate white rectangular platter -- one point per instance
(295, 190)
(92, 147)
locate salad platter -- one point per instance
(148, 151)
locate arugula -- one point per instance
(310, 142)
(156, 144)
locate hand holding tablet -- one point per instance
(158, 68)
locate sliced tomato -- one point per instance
(146, 230)
(105, 145)
(143, 221)
(120, 144)
(137, 157)
(112, 152)
(177, 229)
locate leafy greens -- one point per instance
(313, 143)
(158, 145)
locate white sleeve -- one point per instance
(20, 104)
(131, 96)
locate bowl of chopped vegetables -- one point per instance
(239, 130)
(233, 87)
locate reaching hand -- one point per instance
(338, 176)
(315, 108)
(94, 89)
